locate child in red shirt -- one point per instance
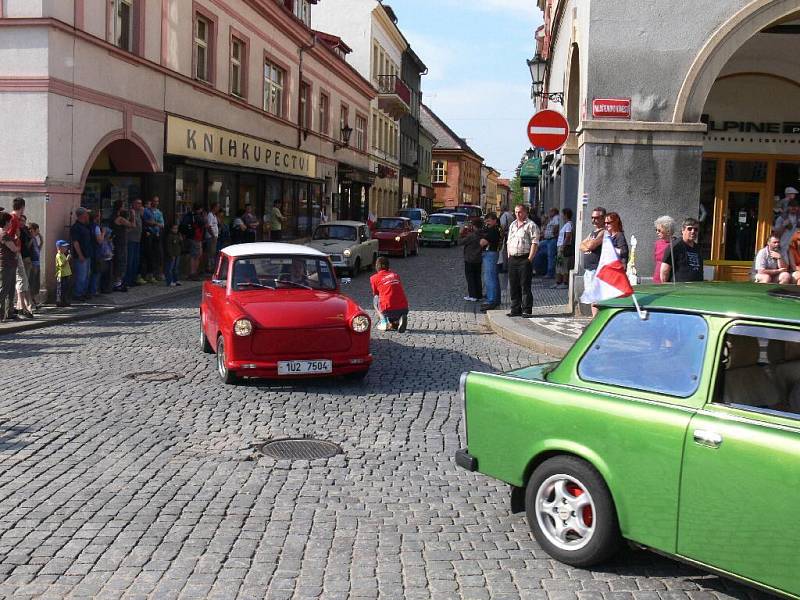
(391, 302)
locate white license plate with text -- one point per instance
(301, 367)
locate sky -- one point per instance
(477, 81)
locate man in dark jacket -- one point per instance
(473, 255)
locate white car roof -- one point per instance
(274, 248)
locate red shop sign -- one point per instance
(611, 108)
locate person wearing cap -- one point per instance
(83, 247)
(63, 273)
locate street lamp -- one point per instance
(538, 68)
(346, 132)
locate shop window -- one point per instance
(222, 190)
(123, 24)
(189, 188)
(238, 67)
(746, 170)
(203, 49)
(288, 207)
(304, 119)
(274, 78)
(324, 113)
(361, 133)
(787, 174)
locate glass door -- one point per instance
(740, 225)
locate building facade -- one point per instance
(711, 125)
(426, 192)
(370, 28)
(235, 102)
(412, 69)
(455, 167)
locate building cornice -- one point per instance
(644, 133)
(391, 29)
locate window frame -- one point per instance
(324, 112)
(244, 63)
(344, 119)
(641, 389)
(305, 115)
(201, 13)
(284, 97)
(361, 133)
(132, 27)
(436, 172)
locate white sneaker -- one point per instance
(470, 299)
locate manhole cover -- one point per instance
(300, 449)
(155, 376)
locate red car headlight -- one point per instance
(243, 327)
(360, 323)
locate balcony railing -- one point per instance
(392, 84)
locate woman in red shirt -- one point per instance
(392, 303)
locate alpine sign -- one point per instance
(548, 130)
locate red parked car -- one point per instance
(396, 235)
(275, 310)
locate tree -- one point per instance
(517, 196)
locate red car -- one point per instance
(275, 310)
(396, 235)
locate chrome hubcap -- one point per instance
(221, 359)
(565, 512)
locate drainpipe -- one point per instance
(303, 49)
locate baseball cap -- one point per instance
(791, 190)
(62, 243)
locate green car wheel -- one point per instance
(571, 513)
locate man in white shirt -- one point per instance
(212, 235)
(523, 240)
(770, 265)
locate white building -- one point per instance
(370, 28)
(233, 102)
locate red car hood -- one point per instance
(289, 309)
(387, 234)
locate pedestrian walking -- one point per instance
(134, 245)
(490, 241)
(35, 276)
(550, 241)
(389, 296)
(174, 248)
(158, 248)
(614, 229)
(473, 256)
(565, 250)
(120, 224)
(506, 218)
(682, 261)
(591, 247)
(82, 250)
(212, 237)
(63, 274)
(8, 268)
(276, 225)
(523, 242)
(24, 299)
(665, 232)
(151, 242)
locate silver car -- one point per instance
(348, 244)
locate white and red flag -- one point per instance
(610, 279)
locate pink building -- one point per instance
(230, 101)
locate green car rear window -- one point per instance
(662, 354)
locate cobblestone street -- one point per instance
(128, 470)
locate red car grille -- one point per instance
(301, 342)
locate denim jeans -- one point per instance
(171, 270)
(552, 249)
(491, 280)
(132, 270)
(81, 270)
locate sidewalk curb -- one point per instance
(526, 334)
(94, 312)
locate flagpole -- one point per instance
(642, 313)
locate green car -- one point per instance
(440, 229)
(679, 432)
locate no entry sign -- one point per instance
(548, 130)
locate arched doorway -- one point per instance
(751, 152)
(117, 170)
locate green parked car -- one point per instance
(440, 229)
(679, 432)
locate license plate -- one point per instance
(300, 367)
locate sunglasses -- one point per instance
(691, 228)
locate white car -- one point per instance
(348, 244)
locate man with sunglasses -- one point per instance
(684, 255)
(592, 247)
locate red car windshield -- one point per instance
(283, 272)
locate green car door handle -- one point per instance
(710, 439)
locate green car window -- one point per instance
(662, 354)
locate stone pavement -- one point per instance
(127, 470)
(141, 295)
